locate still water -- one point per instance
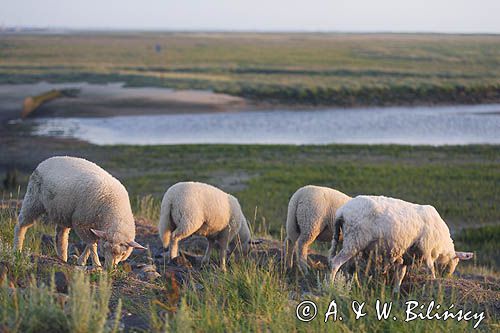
(396, 125)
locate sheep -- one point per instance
(311, 213)
(77, 194)
(196, 208)
(397, 229)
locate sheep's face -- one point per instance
(446, 265)
(114, 253)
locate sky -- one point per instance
(453, 16)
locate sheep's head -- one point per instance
(114, 252)
(446, 264)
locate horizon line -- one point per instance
(40, 29)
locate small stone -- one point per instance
(61, 281)
(148, 276)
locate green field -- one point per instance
(318, 69)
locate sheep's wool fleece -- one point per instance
(396, 223)
(202, 208)
(79, 194)
(313, 209)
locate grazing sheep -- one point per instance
(311, 213)
(75, 193)
(195, 208)
(398, 228)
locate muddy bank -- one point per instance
(101, 100)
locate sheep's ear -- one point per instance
(99, 233)
(136, 245)
(464, 255)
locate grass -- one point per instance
(319, 69)
(253, 298)
(486, 240)
(39, 308)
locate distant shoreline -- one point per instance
(303, 69)
(278, 97)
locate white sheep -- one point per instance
(311, 214)
(77, 194)
(191, 208)
(398, 228)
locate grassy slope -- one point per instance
(338, 69)
(461, 181)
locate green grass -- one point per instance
(485, 240)
(328, 69)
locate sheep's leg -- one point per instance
(303, 243)
(82, 260)
(62, 235)
(341, 258)
(165, 238)
(223, 241)
(31, 209)
(288, 250)
(177, 235)
(25, 221)
(399, 275)
(95, 257)
(174, 247)
(206, 257)
(430, 266)
(20, 233)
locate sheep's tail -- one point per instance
(338, 225)
(166, 224)
(291, 224)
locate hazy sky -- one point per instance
(310, 15)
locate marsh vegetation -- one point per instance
(313, 69)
